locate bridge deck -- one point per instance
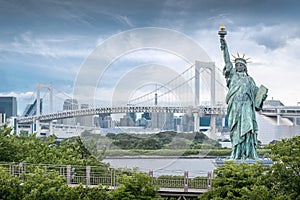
(203, 110)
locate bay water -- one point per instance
(165, 166)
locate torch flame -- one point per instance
(222, 28)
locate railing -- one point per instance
(184, 182)
(93, 176)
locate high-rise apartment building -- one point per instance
(8, 106)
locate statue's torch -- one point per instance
(222, 32)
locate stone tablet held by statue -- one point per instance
(260, 97)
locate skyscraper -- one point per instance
(70, 104)
(8, 106)
(163, 121)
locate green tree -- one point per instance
(179, 143)
(135, 187)
(10, 186)
(280, 181)
(40, 150)
(82, 192)
(284, 178)
(96, 144)
(165, 137)
(237, 181)
(41, 185)
(148, 144)
(8, 145)
(201, 138)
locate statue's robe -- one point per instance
(242, 122)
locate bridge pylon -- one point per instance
(37, 127)
(212, 68)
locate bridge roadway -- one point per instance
(284, 111)
(291, 112)
(201, 110)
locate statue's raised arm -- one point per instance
(228, 65)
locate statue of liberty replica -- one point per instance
(243, 99)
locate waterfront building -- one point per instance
(104, 121)
(69, 104)
(143, 122)
(146, 115)
(162, 121)
(178, 124)
(8, 107)
(187, 123)
(128, 120)
(85, 120)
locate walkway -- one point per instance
(181, 187)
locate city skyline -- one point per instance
(48, 41)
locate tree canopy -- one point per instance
(255, 181)
(233, 181)
(44, 150)
(161, 140)
(40, 184)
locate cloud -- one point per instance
(48, 46)
(156, 56)
(124, 20)
(272, 37)
(221, 19)
(23, 98)
(274, 52)
(23, 95)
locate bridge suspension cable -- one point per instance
(221, 84)
(136, 100)
(169, 88)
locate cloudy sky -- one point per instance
(48, 41)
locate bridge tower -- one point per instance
(48, 87)
(212, 68)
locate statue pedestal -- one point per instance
(221, 162)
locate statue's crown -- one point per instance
(240, 59)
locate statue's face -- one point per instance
(240, 67)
